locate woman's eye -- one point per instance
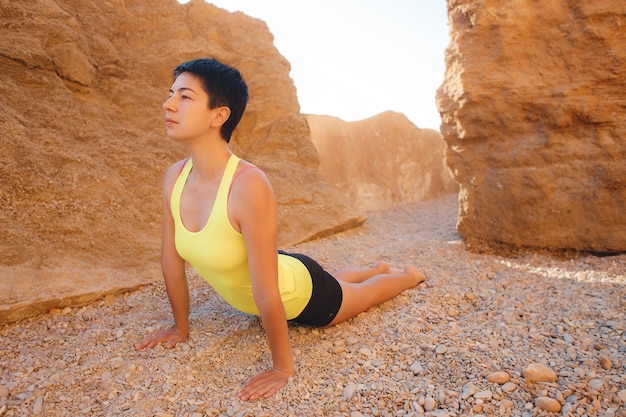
(184, 97)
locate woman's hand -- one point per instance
(170, 337)
(264, 385)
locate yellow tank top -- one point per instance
(218, 253)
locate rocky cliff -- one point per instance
(532, 107)
(381, 161)
(84, 147)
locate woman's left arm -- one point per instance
(253, 210)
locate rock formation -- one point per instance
(84, 147)
(381, 161)
(532, 109)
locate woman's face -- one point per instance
(187, 113)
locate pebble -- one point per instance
(365, 351)
(468, 391)
(622, 396)
(538, 372)
(509, 387)
(483, 395)
(548, 404)
(596, 384)
(38, 407)
(606, 363)
(430, 404)
(441, 349)
(4, 391)
(507, 404)
(416, 368)
(499, 377)
(349, 391)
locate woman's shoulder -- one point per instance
(173, 172)
(248, 175)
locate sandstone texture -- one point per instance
(532, 107)
(84, 146)
(381, 161)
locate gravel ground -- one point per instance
(468, 342)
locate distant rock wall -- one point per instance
(381, 161)
(83, 148)
(532, 107)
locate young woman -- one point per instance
(220, 215)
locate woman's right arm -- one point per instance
(173, 267)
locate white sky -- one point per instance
(356, 58)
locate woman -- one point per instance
(220, 215)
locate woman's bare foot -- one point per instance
(383, 267)
(415, 273)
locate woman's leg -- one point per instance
(361, 274)
(358, 296)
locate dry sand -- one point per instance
(431, 351)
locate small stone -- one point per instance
(468, 391)
(559, 397)
(622, 396)
(606, 363)
(349, 391)
(452, 311)
(547, 404)
(416, 368)
(365, 351)
(507, 404)
(38, 407)
(596, 384)
(4, 391)
(509, 387)
(499, 377)
(483, 395)
(430, 404)
(538, 372)
(106, 376)
(54, 312)
(356, 414)
(441, 349)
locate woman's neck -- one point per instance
(209, 161)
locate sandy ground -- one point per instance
(461, 344)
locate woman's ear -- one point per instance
(220, 116)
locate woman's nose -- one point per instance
(168, 104)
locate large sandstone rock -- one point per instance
(84, 147)
(532, 109)
(381, 161)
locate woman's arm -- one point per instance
(254, 212)
(173, 267)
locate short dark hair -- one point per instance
(224, 85)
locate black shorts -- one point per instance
(326, 296)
